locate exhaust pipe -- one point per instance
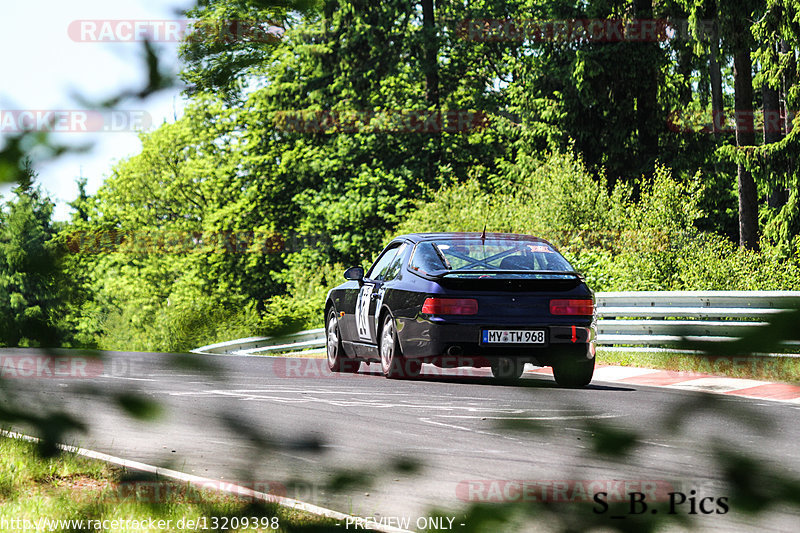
(455, 351)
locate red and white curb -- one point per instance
(749, 388)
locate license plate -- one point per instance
(513, 336)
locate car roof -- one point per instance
(431, 236)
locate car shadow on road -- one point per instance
(528, 381)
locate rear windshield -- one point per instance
(467, 255)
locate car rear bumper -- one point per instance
(426, 339)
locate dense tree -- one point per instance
(31, 285)
(320, 126)
(777, 33)
(185, 213)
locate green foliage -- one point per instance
(231, 170)
(32, 288)
(655, 232)
(550, 197)
(783, 229)
(567, 149)
(617, 242)
(303, 305)
(175, 327)
(178, 246)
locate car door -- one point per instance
(383, 282)
(370, 295)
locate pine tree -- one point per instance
(29, 274)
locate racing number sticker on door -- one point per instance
(362, 311)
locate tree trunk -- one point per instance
(772, 115)
(715, 74)
(431, 46)
(772, 134)
(647, 93)
(745, 136)
(430, 61)
(685, 66)
(788, 80)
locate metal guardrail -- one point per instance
(667, 317)
(654, 318)
(303, 340)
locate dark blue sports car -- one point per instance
(464, 299)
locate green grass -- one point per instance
(785, 369)
(73, 487)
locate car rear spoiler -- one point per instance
(441, 274)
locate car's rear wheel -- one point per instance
(393, 364)
(337, 360)
(507, 368)
(574, 372)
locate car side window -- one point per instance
(382, 264)
(394, 267)
(426, 259)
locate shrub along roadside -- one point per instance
(618, 242)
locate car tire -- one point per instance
(507, 368)
(574, 372)
(393, 364)
(337, 360)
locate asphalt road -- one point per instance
(352, 442)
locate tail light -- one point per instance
(450, 306)
(572, 307)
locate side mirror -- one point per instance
(354, 274)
